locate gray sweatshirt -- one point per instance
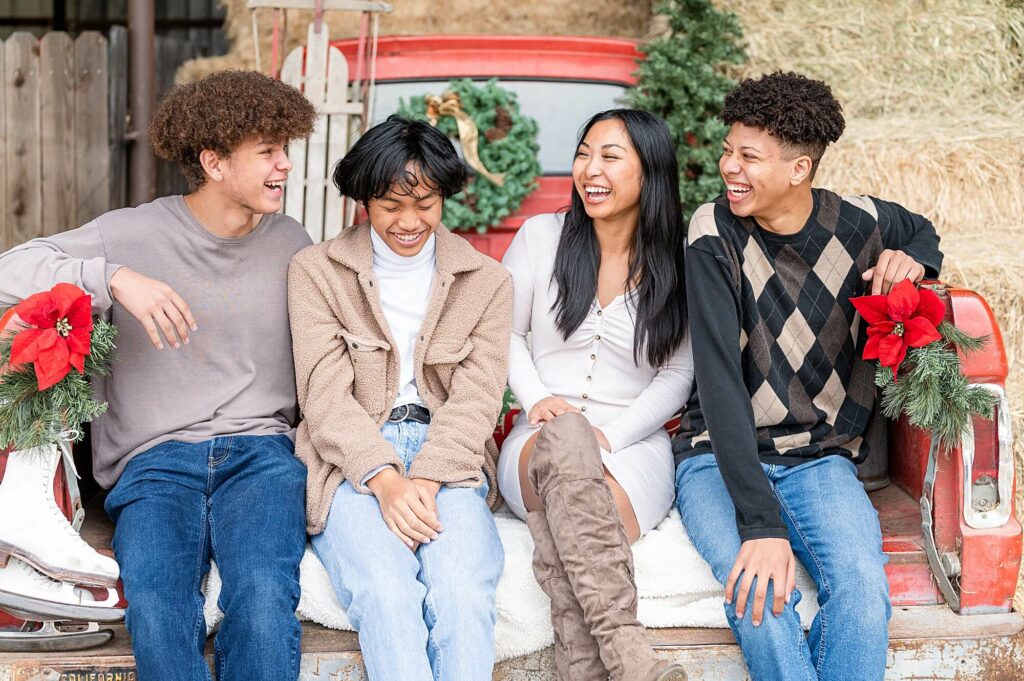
(235, 377)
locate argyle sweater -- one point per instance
(777, 344)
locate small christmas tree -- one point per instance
(682, 80)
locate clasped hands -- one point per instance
(408, 506)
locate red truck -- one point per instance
(947, 517)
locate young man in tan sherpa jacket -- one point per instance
(401, 333)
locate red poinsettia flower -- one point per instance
(59, 333)
(905, 318)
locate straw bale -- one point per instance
(543, 17)
(963, 173)
(893, 56)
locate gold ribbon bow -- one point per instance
(450, 105)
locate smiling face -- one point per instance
(763, 178)
(253, 175)
(404, 217)
(607, 172)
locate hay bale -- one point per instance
(893, 56)
(417, 17)
(964, 173)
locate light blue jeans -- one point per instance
(423, 615)
(834, 531)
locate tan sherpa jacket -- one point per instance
(346, 366)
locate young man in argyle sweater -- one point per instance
(767, 452)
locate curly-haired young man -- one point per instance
(197, 443)
(767, 452)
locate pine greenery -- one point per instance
(932, 389)
(682, 80)
(507, 144)
(30, 418)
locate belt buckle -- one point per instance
(405, 413)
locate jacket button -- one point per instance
(583, 408)
(584, 396)
(597, 337)
(355, 346)
(593, 357)
(599, 313)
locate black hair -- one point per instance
(799, 112)
(379, 161)
(656, 254)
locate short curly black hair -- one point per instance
(799, 112)
(221, 111)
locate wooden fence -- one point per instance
(64, 128)
(55, 134)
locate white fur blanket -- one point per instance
(675, 584)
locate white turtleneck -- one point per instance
(405, 284)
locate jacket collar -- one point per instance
(353, 249)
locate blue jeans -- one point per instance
(834, 532)
(240, 500)
(423, 615)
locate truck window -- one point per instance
(560, 108)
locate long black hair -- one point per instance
(656, 253)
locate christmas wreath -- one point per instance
(918, 367)
(499, 144)
(55, 347)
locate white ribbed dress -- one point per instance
(593, 370)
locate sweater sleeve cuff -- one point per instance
(764, 533)
(370, 464)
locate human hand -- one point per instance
(602, 440)
(156, 305)
(408, 507)
(432, 486)
(892, 268)
(764, 559)
(548, 408)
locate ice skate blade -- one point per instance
(8, 551)
(37, 610)
(54, 639)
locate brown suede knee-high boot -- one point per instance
(577, 657)
(566, 471)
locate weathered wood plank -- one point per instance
(337, 138)
(295, 187)
(58, 127)
(22, 150)
(169, 55)
(317, 45)
(5, 241)
(92, 128)
(117, 91)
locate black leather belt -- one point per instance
(410, 412)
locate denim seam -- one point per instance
(200, 619)
(218, 460)
(822, 619)
(428, 604)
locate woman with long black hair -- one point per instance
(601, 294)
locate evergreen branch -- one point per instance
(933, 393)
(30, 418)
(961, 340)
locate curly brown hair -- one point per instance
(799, 112)
(220, 112)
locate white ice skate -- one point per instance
(33, 528)
(58, 616)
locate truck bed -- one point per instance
(927, 640)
